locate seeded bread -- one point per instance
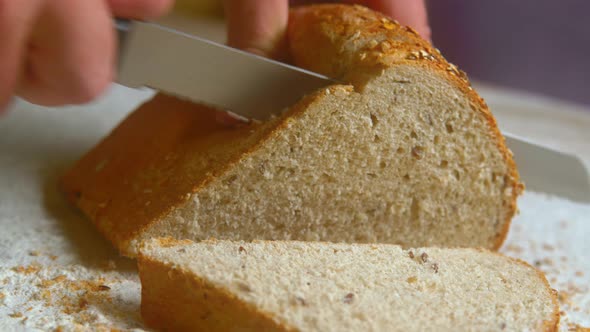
(314, 286)
(406, 153)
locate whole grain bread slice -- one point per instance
(313, 286)
(405, 153)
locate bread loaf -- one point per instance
(311, 286)
(405, 152)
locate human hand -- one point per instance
(259, 26)
(56, 52)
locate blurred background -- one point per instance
(539, 46)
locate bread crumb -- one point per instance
(348, 298)
(51, 282)
(564, 298)
(424, 257)
(34, 253)
(514, 248)
(300, 301)
(241, 249)
(33, 268)
(411, 254)
(411, 280)
(16, 315)
(435, 267)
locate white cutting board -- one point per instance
(51, 258)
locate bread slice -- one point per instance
(405, 153)
(314, 286)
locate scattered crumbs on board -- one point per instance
(71, 298)
(32, 268)
(552, 240)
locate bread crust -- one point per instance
(124, 195)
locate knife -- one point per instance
(191, 67)
(255, 87)
(550, 171)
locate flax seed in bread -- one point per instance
(405, 152)
(312, 286)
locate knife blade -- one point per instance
(203, 71)
(543, 169)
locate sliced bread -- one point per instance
(406, 153)
(314, 286)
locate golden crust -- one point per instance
(346, 42)
(124, 195)
(174, 299)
